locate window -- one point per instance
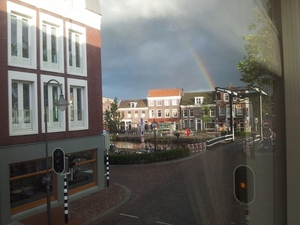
(129, 114)
(143, 114)
(158, 102)
(22, 103)
(28, 182)
(159, 113)
(222, 110)
(151, 113)
(239, 110)
(185, 124)
(55, 117)
(78, 111)
(133, 104)
(151, 102)
(167, 113)
(136, 114)
(174, 102)
(212, 112)
(21, 36)
(191, 113)
(192, 124)
(174, 113)
(226, 97)
(51, 43)
(76, 48)
(185, 113)
(198, 100)
(167, 102)
(84, 170)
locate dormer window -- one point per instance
(199, 100)
(133, 104)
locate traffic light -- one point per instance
(244, 184)
(58, 160)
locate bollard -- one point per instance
(66, 199)
(107, 169)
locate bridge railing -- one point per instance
(217, 140)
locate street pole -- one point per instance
(62, 104)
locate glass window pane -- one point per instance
(26, 103)
(54, 100)
(25, 38)
(45, 54)
(53, 45)
(79, 104)
(77, 50)
(14, 33)
(70, 50)
(72, 104)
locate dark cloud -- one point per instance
(172, 43)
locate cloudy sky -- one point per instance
(158, 44)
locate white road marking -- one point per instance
(122, 214)
(163, 223)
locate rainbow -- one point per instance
(201, 65)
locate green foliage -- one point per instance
(112, 117)
(148, 157)
(206, 114)
(256, 68)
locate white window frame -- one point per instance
(212, 112)
(136, 114)
(151, 113)
(223, 109)
(151, 102)
(84, 124)
(159, 113)
(30, 15)
(81, 31)
(191, 113)
(158, 102)
(199, 100)
(50, 22)
(129, 114)
(174, 101)
(226, 97)
(174, 113)
(185, 113)
(61, 124)
(32, 79)
(239, 109)
(143, 114)
(167, 102)
(167, 113)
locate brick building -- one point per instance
(48, 51)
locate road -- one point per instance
(198, 190)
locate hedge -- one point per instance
(117, 159)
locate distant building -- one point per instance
(191, 116)
(164, 107)
(106, 105)
(133, 111)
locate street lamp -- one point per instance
(154, 125)
(62, 104)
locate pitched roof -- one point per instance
(141, 103)
(189, 97)
(165, 92)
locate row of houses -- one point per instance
(174, 109)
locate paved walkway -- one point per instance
(84, 210)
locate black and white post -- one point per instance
(107, 169)
(66, 207)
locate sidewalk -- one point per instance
(84, 210)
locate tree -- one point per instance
(206, 116)
(257, 68)
(113, 118)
